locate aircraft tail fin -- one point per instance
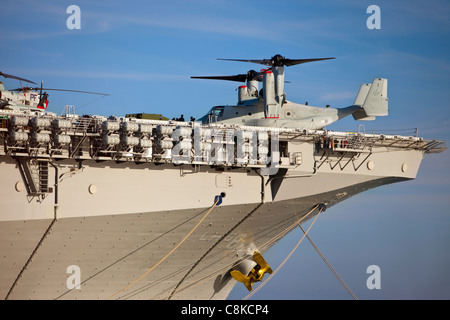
(373, 100)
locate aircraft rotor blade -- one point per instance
(293, 62)
(250, 75)
(14, 77)
(49, 89)
(238, 78)
(266, 62)
(103, 94)
(278, 61)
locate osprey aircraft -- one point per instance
(269, 107)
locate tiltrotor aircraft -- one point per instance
(268, 107)
(27, 98)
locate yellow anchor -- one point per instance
(256, 274)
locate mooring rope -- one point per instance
(284, 261)
(167, 255)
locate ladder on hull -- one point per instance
(35, 176)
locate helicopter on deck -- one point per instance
(28, 98)
(268, 106)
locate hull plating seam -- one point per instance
(30, 259)
(212, 247)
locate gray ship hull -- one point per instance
(96, 209)
(117, 236)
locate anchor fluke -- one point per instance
(247, 281)
(256, 274)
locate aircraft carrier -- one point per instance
(96, 207)
(124, 208)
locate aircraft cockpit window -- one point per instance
(217, 111)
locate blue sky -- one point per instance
(143, 54)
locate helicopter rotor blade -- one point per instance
(15, 77)
(49, 89)
(40, 93)
(103, 94)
